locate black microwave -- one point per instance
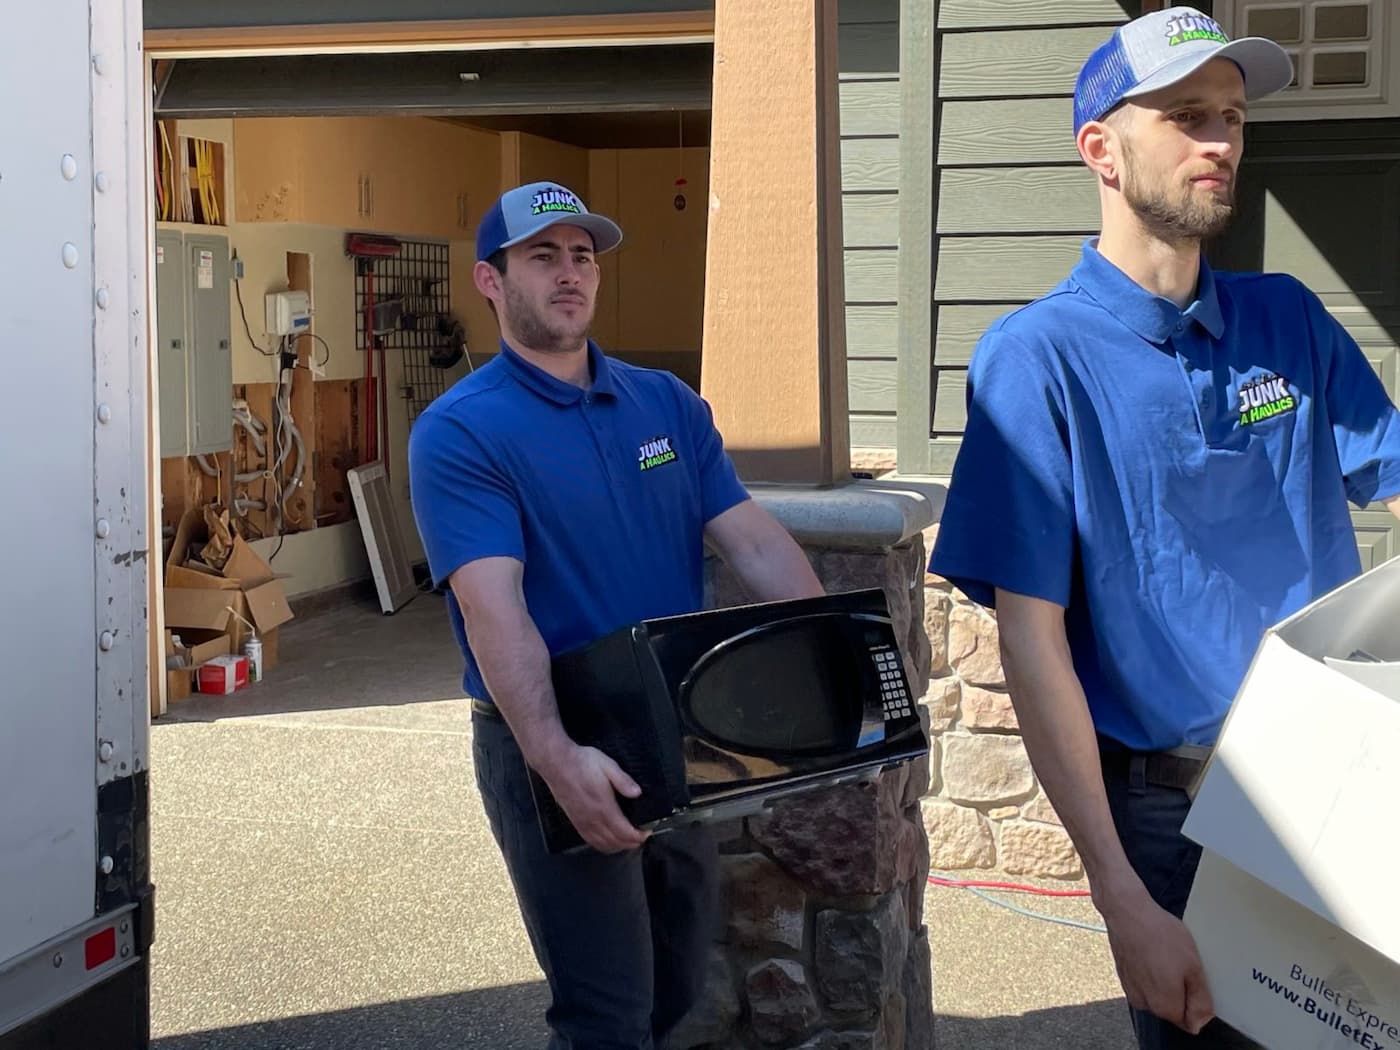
(717, 714)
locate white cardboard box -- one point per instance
(1296, 906)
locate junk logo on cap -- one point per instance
(548, 201)
(1185, 28)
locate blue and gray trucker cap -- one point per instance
(1163, 47)
(521, 213)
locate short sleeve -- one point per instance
(1365, 423)
(465, 505)
(1009, 518)
(720, 487)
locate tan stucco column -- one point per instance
(774, 351)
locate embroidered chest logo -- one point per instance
(1185, 28)
(656, 453)
(1265, 397)
(547, 201)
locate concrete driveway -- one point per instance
(326, 879)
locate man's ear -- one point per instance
(487, 280)
(1100, 147)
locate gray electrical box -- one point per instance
(195, 353)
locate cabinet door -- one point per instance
(211, 354)
(268, 180)
(172, 372)
(336, 180)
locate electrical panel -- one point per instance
(195, 351)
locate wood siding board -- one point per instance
(979, 269)
(872, 331)
(870, 220)
(871, 385)
(950, 400)
(872, 431)
(872, 275)
(982, 14)
(1017, 200)
(918, 202)
(959, 329)
(870, 107)
(1014, 62)
(1007, 131)
(869, 164)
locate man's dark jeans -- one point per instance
(1149, 819)
(623, 939)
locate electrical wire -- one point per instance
(322, 363)
(238, 292)
(974, 886)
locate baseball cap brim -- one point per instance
(1265, 66)
(607, 235)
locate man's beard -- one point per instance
(1174, 218)
(532, 329)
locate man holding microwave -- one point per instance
(1156, 468)
(564, 494)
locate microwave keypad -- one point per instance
(893, 694)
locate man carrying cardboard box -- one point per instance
(1156, 468)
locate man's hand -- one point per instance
(585, 783)
(1158, 963)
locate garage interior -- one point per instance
(314, 225)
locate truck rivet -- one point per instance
(101, 182)
(126, 950)
(57, 960)
(125, 926)
(70, 255)
(104, 413)
(102, 298)
(105, 751)
(104, 528)
(99, 64)
(106, 641)
(69, 167)
(106, 864)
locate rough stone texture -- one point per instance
(986, 769)
(958, 837)
(920, 779)
(937, 605)
(860, 955)
(895, 1018)
(845, 840)
(914, 890)
(984, 709)
(844, 1041)
(781, 1005)
(917, 986)
(1038, 849)
(942, 700)
(714, 1016)
(1039, 808)
(973, 648)
(1003, 812)
(762, 904)
(875, 461)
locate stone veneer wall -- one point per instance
(822, 945)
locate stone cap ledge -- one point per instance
(864, 515)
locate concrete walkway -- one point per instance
(326, 880)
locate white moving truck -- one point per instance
(76, 918)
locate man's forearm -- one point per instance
(1059, 737)
(776, 569)
(515, 664)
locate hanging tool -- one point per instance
(365, 248)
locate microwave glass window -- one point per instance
(789, 689)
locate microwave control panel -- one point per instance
(894, 695)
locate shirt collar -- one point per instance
(1153, 317)
(556, 390)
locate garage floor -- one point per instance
(326, 880)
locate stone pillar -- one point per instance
(822, 945)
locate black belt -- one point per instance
(1178, 768)
(486, 709)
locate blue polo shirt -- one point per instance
(1176, 479)
(602, 494)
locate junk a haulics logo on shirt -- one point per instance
(1185, 28)
(548, 201)
(656, 453)
(1263, 398)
